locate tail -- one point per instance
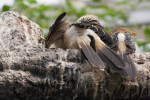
(57, 30)
(130, 69)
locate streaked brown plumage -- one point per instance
(124, 45)
(88, 35)
(92, 22)
(82, 36)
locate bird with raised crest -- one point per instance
(124, 45)
(88, 35)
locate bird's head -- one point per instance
(87, 18)
(123, 30)
(88, 22)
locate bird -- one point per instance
(124, 45)
(88, 36)
(92, 22)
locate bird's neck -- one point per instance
(121, 43)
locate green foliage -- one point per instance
(122, 2)
(110, 12)
(6, 8)
(144, 44)
(32, 1)
(45, 15)
(71, 10)
(147, 34)
(97, 0)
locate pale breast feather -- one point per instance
(121, 43)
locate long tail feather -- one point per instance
(57, 30)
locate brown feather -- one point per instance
(108, 62)
(130, 67)
(121, 30)
(57, 30)
(112, 56)
(89, 53)
(92, 22)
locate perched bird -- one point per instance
(124, 45)
(92, 22)
(88, 35)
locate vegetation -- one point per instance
(45, 15)
(42, 14)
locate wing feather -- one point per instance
(114, 45)
(112, 56)
(130, 44)
(108, 62)
(130, 66)
(57, 30)
(89, 53)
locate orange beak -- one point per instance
(133, 34)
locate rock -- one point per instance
(18, 32)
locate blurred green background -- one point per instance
(134, 14)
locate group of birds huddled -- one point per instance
(96, 45)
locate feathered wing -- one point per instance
(57, 30)
(111, 58)
(130, 48)
(103, 35)
(130, 67)
(108, 62)
(114, 45)
(89, 53)
(130, 44)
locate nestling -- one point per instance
(88, 35)
(124, 45)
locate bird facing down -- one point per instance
(92, 22)
(124, 45)
(88, 35)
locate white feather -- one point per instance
(121, 44)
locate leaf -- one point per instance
(97, 0)
(32, 1)
(147, 33)
(6, 8)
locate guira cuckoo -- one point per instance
(88, 35)
(124, 45)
